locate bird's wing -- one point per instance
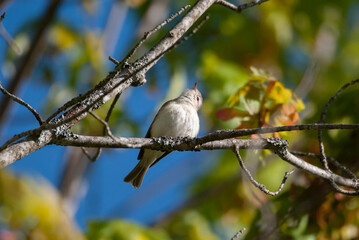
(142, 151)
(148, 135)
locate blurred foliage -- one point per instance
(32, 210)
(312, 46)
(262, 102)
(122, 230)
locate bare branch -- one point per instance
(113, 104)
(16, 137)
(314, 170)
(162, 143)
(116, 62)
(148, 34)
(105, 124)
(254, 182)
(277, 145)
(218, 135)
(226, 134)
(22, 102)
(325, 110)
(88, 155)
(332, 160)
(341, 190)
(2, 16)
(238, 234)
(21, 149)
(241, 7)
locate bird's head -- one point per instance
(193, 96)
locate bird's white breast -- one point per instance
(176, 120)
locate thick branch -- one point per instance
(163, 143)
(89, 142)
(277, 145)
(23, 148)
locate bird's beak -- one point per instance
(195, 86)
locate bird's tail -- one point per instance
(135, 177)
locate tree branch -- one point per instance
(238, 234)
(253, 181)
(162, 143)
(345, 170)
(226, 134)
(22, 102)
(277, 145)
(241, 7)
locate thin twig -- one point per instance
(238, 234)
(341, 190)
(81, 97)
(88, 155)
(226, 134)
(323, 157)
(251, 4)
(254, 182)
(2, 16)
(106, 128)
(332, 160)
(241, 7)
(105, 124)
(113, 104)
(116, 62)
(16, 137)
(22, 102)
(148, 34)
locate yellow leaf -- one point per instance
(280, 94)
(62, 36)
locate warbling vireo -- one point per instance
(176, 118)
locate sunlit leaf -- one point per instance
(123, 230)
(63, 37)
(263, 101)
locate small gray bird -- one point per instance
(176, 118)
